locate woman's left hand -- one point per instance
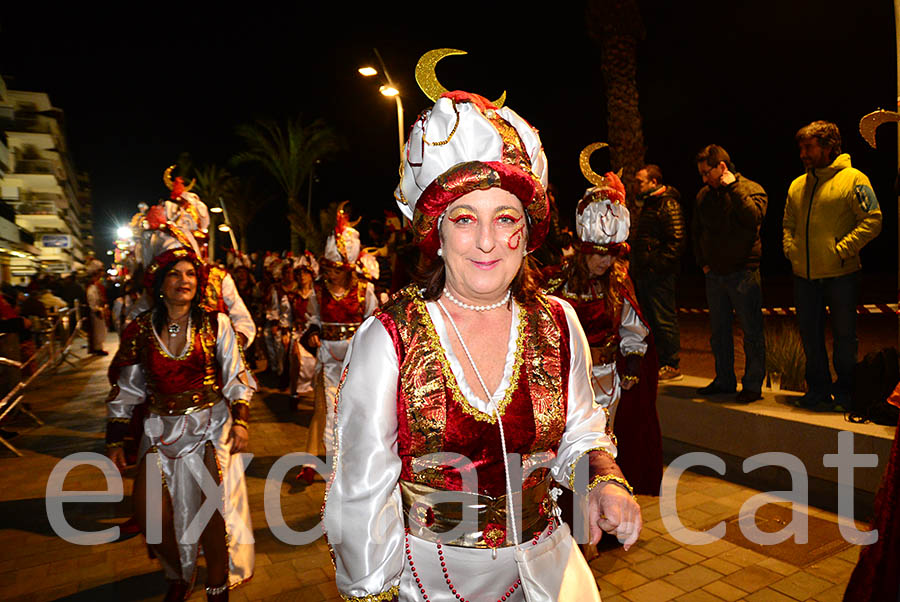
(627, 384)
(239, 438)
(612, 509)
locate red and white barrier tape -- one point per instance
(874, 308)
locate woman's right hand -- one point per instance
(314, 341)
(117, 455)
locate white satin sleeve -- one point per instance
(371, 300)
(585, 424)
(237, 381)
(312, 311)
(633, 331)
(132, 388)
(363, 518)
(237, 310)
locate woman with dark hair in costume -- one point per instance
(187, 363)
(624, 374)
(471, 360)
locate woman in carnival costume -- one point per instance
(595, 281)
(303, 363)
(340, 303)
(417, 378)
(187, 364)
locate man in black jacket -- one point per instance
(729, 211)
(658, 241)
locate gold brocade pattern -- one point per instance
(382, 597)
(208, 343)
(213, 293)
(427, 379)
(545, 374)
(574, 464)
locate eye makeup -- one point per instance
(459, 214)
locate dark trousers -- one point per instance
(840, 295)
(656, 295)
(737, 293)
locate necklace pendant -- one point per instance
(174, 329)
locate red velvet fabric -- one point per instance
(349, 309)
(877, 574)
(477, 440)
(169, 375)
(637, 429)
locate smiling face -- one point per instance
(483, 239)
(180, 284)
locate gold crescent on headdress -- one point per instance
(585, 161)
(167, 178)
(341, 210)
(869, 123)
(427, 78)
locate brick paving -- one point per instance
(37, 565)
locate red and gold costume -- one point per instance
(194, 398)
(544, 400)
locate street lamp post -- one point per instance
(390, 90)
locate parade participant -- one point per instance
(186, 364)
(186, 210)
(624, 374)
(303, 363)
(248, 291)
(277, 330)
(98, 308)
(339, 305)
(418, 374)
(190, 216)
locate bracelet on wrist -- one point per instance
(239, 422)
(610, 478)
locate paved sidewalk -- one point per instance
(38, 565)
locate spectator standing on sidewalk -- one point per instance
(831, 213)
(658, 242)
(725, 229)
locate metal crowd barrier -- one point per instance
(55, 336)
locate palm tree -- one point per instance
(243, 201)
(288, 153)
(617, 26)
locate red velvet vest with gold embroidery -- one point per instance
(435, 417)
(174, 385)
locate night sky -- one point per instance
(139, 89)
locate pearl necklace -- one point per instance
(456, 301)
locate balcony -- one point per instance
(40, 166)
(4, 159)
(35, 207)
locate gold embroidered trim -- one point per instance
(574, 464)
(188, 344)
(610, 478)
(382, 597)
(241, 402)
(631, 377)
(123, 420)
(637, 353)
(116, 444)
(433, 341)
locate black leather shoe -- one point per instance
(713, 388)
(746, 396)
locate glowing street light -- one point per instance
(215, 209)
(224, 228)
(124, 232)
(389, 90)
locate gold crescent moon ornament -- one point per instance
(191, 185)
(167, 176)
(870, 123)
(427, 78)
(584, 160)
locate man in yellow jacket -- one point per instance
(830, 215)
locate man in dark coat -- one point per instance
(730, 209)
(657, 244)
